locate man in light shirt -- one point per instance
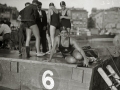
(5, 33)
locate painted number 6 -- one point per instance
(46, 78)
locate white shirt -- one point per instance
(4, 28)
(40, 13)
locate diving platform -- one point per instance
(34, 73)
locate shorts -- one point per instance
(27, 24)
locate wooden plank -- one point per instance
(14, 67)
(77, 75)
(87, 76)
(10, 80)
(78, 84)
(5, 65)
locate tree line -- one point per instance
(13, 10)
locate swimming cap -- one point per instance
(62, 3)
(51, 4)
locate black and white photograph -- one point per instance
(59, 44)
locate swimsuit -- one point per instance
(66, 50)
(55, 20)
(65, 22)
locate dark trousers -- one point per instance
(43, 40)
(0, 43)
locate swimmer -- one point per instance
(69, 48)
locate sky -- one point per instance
(86, 4)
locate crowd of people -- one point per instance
(35, 21)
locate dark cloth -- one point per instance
(65, 22)
(27, 24)
(42, 23)
(55, 20)
(0, 43)
(66, 50)
(43, 41)
(90, 52)
(29, 13)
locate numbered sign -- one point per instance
(49, 79)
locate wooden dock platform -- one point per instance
(17, 73)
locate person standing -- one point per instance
(54, 21)
(21, 31)
(42, 25)
(65, 16)
(30, 15)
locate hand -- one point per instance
(86, 62)
(61, 17)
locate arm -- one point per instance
(77, 47)
(19, 18)
(69, 15)
(54, 47)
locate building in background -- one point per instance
(108, 18)
(79, 18)
(9, 13)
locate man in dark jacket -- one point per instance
(42, 25)
(22, 31)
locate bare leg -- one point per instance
(49, 42)
(52, 34)
(35, 31)
(70, 59)
(77, 55)
(28, 36)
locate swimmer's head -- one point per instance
(62, 5)
(35, 2)
(63, 32)
(27, 4)
(51, 5)
(39, 5)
